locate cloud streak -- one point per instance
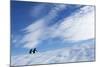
(36, 29)
(83, 51)
(78, 26)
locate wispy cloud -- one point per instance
(78, 26)
(15, 40)
(36, 29)
(33, 33)
(76, 53)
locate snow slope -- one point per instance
(80, 51)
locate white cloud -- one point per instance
(76, 27)
(82, 26)
(36, 11)
(55, 10)
(76, 53)
(15, 40)
(79, 26)
(33, 33)
(36, 29)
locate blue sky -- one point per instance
(25, 34)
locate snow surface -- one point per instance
(80, 51)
